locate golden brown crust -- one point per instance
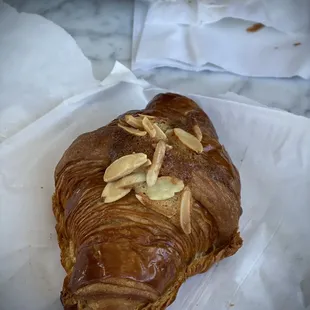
(126, 255)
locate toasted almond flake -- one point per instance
(169, 132)
(168, 207)
(151, 177)
(140, 198)
(197, 132)
(124, 166)
(112, 193)
(148, 116)
(133, 131)
(163, 124)
(134, 122)
(168, 146)
(185, 210)
(122, 122)
(149, 127)
(160, 135)
(130, 180)
(144, 167)
(158, 158)
(122, 193)
(188, 140)
(164, 188)
(147, 164)
(105, 190)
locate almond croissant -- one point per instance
(142, 204)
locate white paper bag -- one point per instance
(270, 149)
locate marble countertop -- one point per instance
(103, 30)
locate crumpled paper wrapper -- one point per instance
(219, 36)
(289, 16)
(270, 149)
(40, 66)
(47, 100)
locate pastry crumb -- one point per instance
(255, 27)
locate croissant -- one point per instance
(142, 204)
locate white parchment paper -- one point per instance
(289, 16)
(212, 35)
(271, 149)
(40, 66)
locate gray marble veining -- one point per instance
(103, 30)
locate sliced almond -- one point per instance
(105, 190)
(140, 198)
(112, 193)
(131, 180)
(188, 140)
(133, 131)
(148, 116)
(168, 146)
(124, 166)
(197, 132)
(149, 127)
(158, 158)
(146, 164)
(185, 210)
(144, 167)
(168, 207)
(122, 122)
(169, 132)
(164, 188)
(133, 121)
(160, 135)
(163, 125)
